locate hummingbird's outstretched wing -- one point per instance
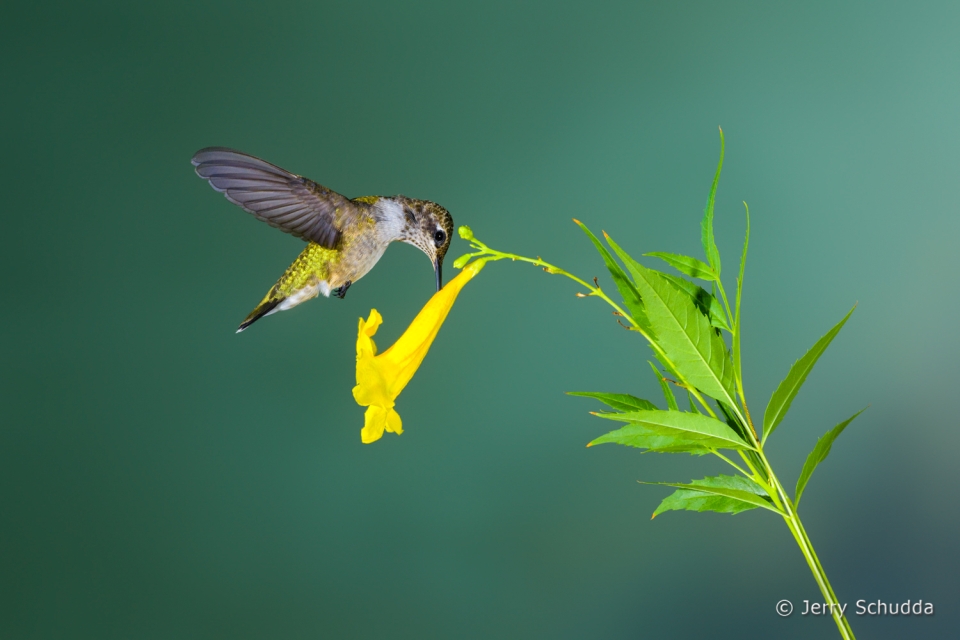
(281, 199)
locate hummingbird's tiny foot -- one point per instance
(341, 291)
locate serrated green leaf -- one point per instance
(736, 316)
(705, 301)
(641, 437)
(724, 494)
(665, 386)
(820, 452)
(683, 332)
(693, 406)
(618, 401)
(731, 419)
(681, 500)
(706, 226)
(686, 264)
(708, 432)
(628, 291)
(787, 390)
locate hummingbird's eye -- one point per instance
(439, 237)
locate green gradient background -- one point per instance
(162, 477)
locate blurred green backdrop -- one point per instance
(162, 477)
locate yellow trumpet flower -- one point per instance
(381, 378)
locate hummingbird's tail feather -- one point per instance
(303, 280)
(265, 308)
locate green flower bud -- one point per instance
(462, 260)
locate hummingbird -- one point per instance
(345, 237)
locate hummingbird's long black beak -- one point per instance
(438, 267)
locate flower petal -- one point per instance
(403, 358)
(394, 424)
(365, 332)
(372, 385)
(381, 378)
(374, 421)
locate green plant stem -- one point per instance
(493, 254)
(770, 482)
(726, 303)
(729, 461)
(792, 519)
(745, 416)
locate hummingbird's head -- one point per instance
(429, 227)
